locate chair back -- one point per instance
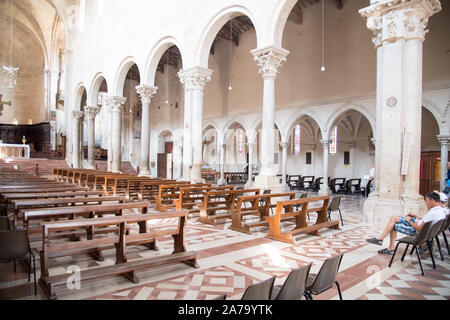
(14, 244)
(295, 283)
(422, 236)
(259, 291)
(327, 275)
(4, 224)
(268, 191)
(334, 204)
(221, 297)
(445, 225)
(303, 196)
(435, 229)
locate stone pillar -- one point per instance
(146, 93)
(399, 31)
(77, 117)
(222, 181)
(444, 141)
(194, 81)
(115, 106)
(90, 114)
(284, 147)
(110, 145)
(269, 59)
(251, 147)
(324, 189)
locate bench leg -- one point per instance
(193, 263)
(152, 246)
(48, 289)
(97, 255)
(132, 276)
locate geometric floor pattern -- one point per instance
(231, 261)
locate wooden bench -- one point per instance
(260, 207)
(167, 193)
(20, 205)
(147, 190)
(301, 226)
(190, 198)
(215, 202)
(235, 177)
(122, 266)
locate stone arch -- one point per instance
(229, 124)
(155, 55)
(79, 90)
(121, 74)
(275, 27)
(94, 89)
(438, 115)
(253, 131)
(337, 117)
(286, 134)
(213, 125)
(214, 26)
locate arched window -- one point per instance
(241, 141)
(333, 138)
(297, 138)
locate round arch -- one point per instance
(155, 56)
(80, 88)
(437, 114)
(121, 74)
(275, 27)
(94, 89)
(285, 135)
(229, 124)
(214, 26)
(334, 118)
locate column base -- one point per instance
(221, 182)
(325, 192)
(266, 182)
(197, 180)
(144, 173)
(414, 203)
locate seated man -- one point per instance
(410, 224)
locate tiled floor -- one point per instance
(230, 261)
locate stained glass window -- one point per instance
(241, 141)
(297, 137)
(333, 138)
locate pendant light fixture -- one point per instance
(231, 57)
(167, 79)
(10, 71)
(323, 37)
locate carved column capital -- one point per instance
(195, 78)
(146, 92)
(78, 115)
(391, 20)
(115, 104)
(91, 112)
(269, 60)
(444, 139)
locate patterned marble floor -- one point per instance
(231, 261)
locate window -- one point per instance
(333, 138)
(297, 137)
(241, 141)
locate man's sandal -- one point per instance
(386, 251)
(375, 241)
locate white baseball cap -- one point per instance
(443, 197)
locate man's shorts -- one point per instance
(404, 227)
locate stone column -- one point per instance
(324, 189)
(444, 141)
(90, 114)
(115, 106)
(251, 147)
(146, 93)
(399, 31)
(77, 117)
(194, 81)
(269, 59)
(284, 146)
(222, 181)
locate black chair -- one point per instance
(434, 232)
(334, 206)
(259, 291)
(325, 279)
(221, 297)
(15, 245)
(416, 242)
(294, 286)
(444, 228)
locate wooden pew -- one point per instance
(169, 192)
(190, 198)
(260, 207)
(301, 226)
(120, 242)
(214, 202)
(119, 184)
(148, 190)
(21, 205)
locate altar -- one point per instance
(14, 151)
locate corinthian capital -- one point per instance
(146, 92)
(77, 115)
(391, 20)
(195, 78)
(444, 139)
(269, 59)
(115, 104)
(91, 112)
